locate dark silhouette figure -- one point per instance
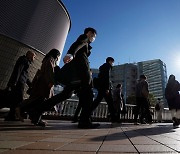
(118, 101)
(142, 102)
(19, 78)
(78, 109)
(173, 98)
(105, 89)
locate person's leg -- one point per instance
(147, 112)
(86, 95)
(159, 116)
(108, 98)
(142, 115)
(36, 112)
(87, 98)
(174, 117)
(97, 100)
(86, 103)
(78, 109)
(137, 109)
(51, 102)
(16, 98)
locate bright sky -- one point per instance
(128, 30)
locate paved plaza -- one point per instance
(63, 137)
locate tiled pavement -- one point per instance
(63, 137)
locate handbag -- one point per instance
(34, 82)
(68, 74)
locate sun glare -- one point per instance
(177, 61)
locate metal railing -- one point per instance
(66, 110)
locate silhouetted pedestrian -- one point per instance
(142, 102)
(173, 98)
(117, 99)
(19, 78)
(105, 89)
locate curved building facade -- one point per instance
(30, 25)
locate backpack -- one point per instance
(157, 107)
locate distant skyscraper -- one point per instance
(125, 74)
(156, 73)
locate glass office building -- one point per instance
(125, 74)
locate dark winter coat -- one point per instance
(43, 79)
(80, 50)
(172, 94)
(20, 72)
(104, 76)
(139, 88)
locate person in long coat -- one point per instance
(142, 101)
(117, 99)
(44, 80)
(16, 84)
(173, 98)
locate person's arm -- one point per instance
(75, 47)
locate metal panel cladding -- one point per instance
(41, 24)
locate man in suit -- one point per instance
(105, 88)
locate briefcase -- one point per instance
(68, 74)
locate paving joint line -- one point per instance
(158, 142)
(102, 142)
(130, 141)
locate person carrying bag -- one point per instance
(68, 74)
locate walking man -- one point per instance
(105, 88)
(142, 102)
